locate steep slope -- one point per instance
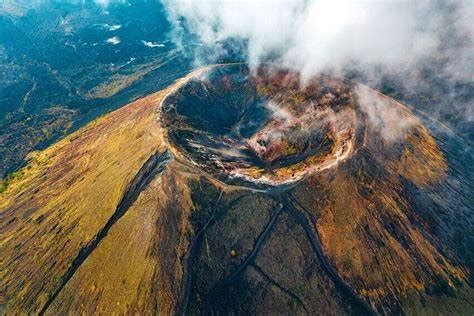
(233, 192)
(65, 195)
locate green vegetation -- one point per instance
(5, 183)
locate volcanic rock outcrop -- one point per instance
(237, 191)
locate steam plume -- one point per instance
(408, 41)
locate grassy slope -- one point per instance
(41, 230)
(140, 260)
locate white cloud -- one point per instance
(315, 34)
(391, 121)
(152, 44)
(113, 27)
(311, 36)
(113, 40)
(109, 27)
(102, 2)
(106, 3)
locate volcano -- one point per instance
(238, 191)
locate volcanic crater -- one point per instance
(264, 127)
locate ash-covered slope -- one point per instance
(240, 192)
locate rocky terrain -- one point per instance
(237, 192)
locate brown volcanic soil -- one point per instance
(233, 192)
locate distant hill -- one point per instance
(59, 71)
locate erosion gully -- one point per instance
(306, 220)
(150, 169)
(310, 229)
(185, 293)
